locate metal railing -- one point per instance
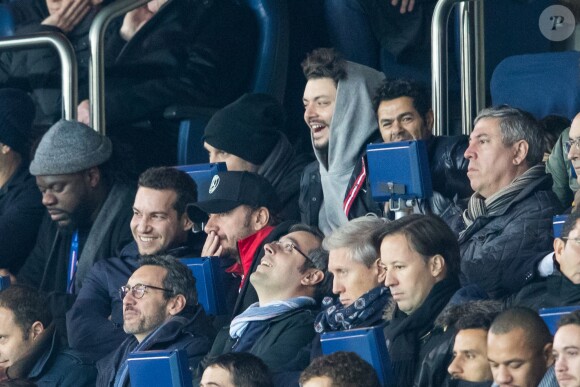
(472, 46)
(67, 58)
(97, 57)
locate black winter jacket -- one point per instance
(499, 253)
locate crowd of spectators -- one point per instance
(304, 250)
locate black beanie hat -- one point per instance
(247, 128)
(16, 115)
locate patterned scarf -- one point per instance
(255, 312)
(367, 307)
(496, 203)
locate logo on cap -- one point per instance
(214, 184)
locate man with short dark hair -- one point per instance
(338, 110)
(507, 226)
(289, 280)
(160, 311)
(160, 225)
(340, 369)
(247, 136)
(236, 369)
(421, 258)
(30, 349)
(519, 337)
(21, 209)
(471, 321)
(243, 215)
(566, 350)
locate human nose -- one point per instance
(561, 365)
(210, 225)
(309, 111)
(337, 287)
(503, 375)
(269, 248)
(469, 152)
(143, 224)
(390, 279)
(572, 151)
(455, 366)
(48, 199)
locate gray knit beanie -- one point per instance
(69, 147)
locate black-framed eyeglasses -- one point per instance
(572, 143)
(577, 240)
(288, 246)
(138, 291)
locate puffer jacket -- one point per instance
(499, 252)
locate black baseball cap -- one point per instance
(231, 189)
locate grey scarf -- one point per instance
(496, 203)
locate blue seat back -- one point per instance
(209, 284)
(551, 316)
(403, 164)
(368, 343)
(6, 21)
(203, 174)
(541, 84)
(270, 73)
(4, 282)
(159, 369)
(558, 224)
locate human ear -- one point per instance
(260, 218)
(437, 265)
(520, 152)
(176, 304)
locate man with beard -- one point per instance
(88, 213)
(160, 311)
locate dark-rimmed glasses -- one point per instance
(138, 291)
(577, 240)
(288, 246)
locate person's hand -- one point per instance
(69, 15)
(84, 112)
(212, 247)
(406, 5)
(133, 22)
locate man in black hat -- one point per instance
(21, 209)
(246, 136)
(242, 209)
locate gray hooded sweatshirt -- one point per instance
(353, 124)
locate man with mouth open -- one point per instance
(338, 110)
(291, 277)
(160, 225)
(88, 212)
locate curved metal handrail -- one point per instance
(472, 62)
(67, 58)
(97, 57)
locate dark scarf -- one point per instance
(366, 309)
(405, 332)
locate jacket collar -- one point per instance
(247, 248)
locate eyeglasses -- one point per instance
(572, 143)
(288, 246)
(577, 240)
(138, 291)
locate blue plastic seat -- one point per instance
(269, 76)
(551, 316)
(558, 224)
(159, 369)
(6, 21)
(208, 282)
(368, 343)
(541, 84)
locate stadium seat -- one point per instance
(6, 21)
(203, 174)
(269, 77)
(558, 224)
(541, 84)
(4, 282)
(209, 284)
(368, 343)
(551, 316)
(159, 369)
